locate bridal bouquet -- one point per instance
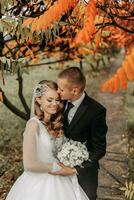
(72, 153)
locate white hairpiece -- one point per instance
(39, 90)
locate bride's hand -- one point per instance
(65, 171)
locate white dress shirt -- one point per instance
(76, 104)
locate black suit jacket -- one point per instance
(89, 125)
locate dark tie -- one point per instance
(69, 106)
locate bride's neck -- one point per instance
(47, 117)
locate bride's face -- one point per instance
(49, 102)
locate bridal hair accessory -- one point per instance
(40, 90)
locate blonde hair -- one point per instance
(55, 124)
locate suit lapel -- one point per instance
(64, 104)
(79, 113)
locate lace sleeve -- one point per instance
(30, 161)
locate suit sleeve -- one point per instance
(98, 136)
(98, 132)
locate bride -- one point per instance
(42, 134)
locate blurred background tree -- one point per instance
(33, 30)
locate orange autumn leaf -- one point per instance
(79, 11)
(122, 76)
(34, 24)
(5, 50)
(39, 23)
(59, 8)
(17, 54)
(23, 48)
(118, 36)
(35, 49)
(129, 72)
(97, 41)
(112, 86)
(105, 86)
(85, 51)
(11, 44)
(29, 52)
(116, 83)
(86, 33)
(108, 85)
(27, 22)
(35, 60)
(130, 59)
(56, 11)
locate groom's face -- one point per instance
(65, 89)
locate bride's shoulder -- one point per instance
(33, 123)
(32, 127)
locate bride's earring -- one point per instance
(41, 108)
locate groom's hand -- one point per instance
(65, 171)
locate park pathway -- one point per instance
(114, 165)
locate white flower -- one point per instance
(72, 153)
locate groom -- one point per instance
(84, 121)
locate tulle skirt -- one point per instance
(43, 186)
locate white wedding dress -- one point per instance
(38, 184)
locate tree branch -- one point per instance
(20, 93)
(13, 108)
(81, 65)
(52, 62)
(103, 25)
(120, 26)
(114, 22)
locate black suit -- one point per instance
(89, 124)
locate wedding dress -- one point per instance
(36, 183)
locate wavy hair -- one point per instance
(55, 124)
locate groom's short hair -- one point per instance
(74, 75)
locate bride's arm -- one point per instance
(30, 161)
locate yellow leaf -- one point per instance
(1, 97)
(85, 51)
(129, 72)
(130, 185)
(131, 195)
(35, 60)
(126, 183)
(123, 188)
(29, 52)
(27, 22)
(34, 25)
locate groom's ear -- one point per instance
(76, 91)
